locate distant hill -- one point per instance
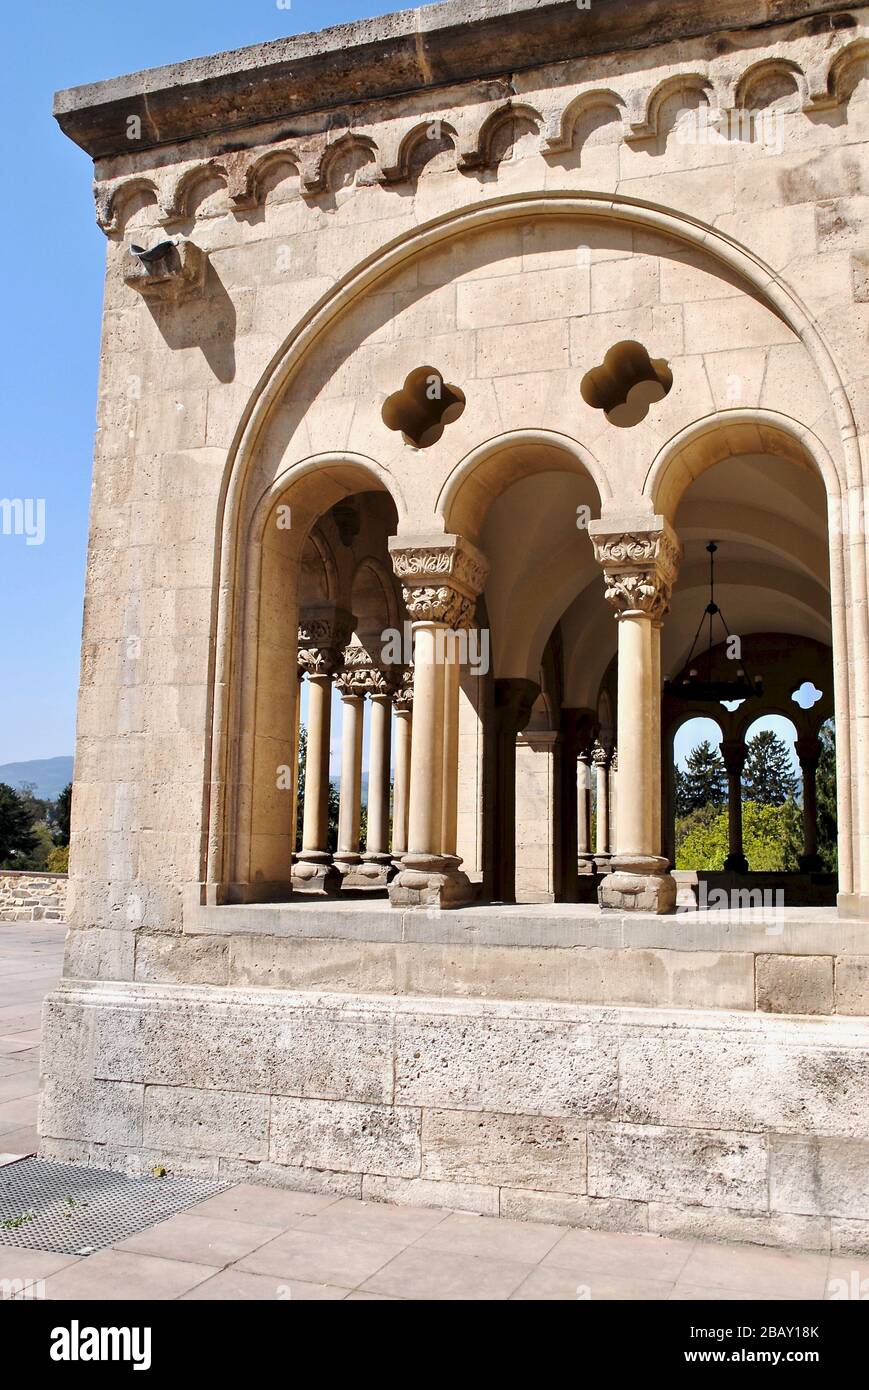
(48, 776)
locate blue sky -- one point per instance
(53, 256)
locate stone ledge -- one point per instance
(392, 55)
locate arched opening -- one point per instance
(751, 625)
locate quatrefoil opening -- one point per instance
(423, 407)
(626, 384)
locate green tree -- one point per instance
(18, 838)
(768, 777)
(704, 781)
(61, 814)
(826, 794)
(771, 837)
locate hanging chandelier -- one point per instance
(700, 683)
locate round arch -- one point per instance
(759, 280)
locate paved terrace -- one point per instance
(262, 1243)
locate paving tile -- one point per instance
(234, 1285)
(703, 1293)
(264, 1206)
(20, 1141)
(14, 1114)
(374, 1221)
(319, 1258)
(366, 1296)
(847, 1278)
(20, 1083)
(31, 1264)
(206, 1240)
(492, 1237)
(120, 1274)
(589, 1253)
(552, 1283)
(437, 1275)
(758, 1270)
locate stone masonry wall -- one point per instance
(27, 896)
(732, 1126)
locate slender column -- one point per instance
(296, 744)
(585, 857)
(380, 740)
(322, 634)
(613, 795)
(349, 807)
(440, 582)
(403, 706)
(452, 672)
(600, 758)
(657, 694)
(639, 570)
(808, 748)
(734, 753)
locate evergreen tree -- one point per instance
(826, 794)
(703, 783)
(768, 778)
(18, 838)
(61, 814)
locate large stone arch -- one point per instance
(232, 598)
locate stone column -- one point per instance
(450, 809)
(403, 707)
(347, 855)
(734, 753)
(377, 858)
(613, 779)
(441, 578)
(600, 757)
(514, 699)
(322, 635)
(585, 855)
(808, 748)
(640, 567)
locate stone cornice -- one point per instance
(639, 565)
(395, 54)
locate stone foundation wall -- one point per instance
(733, 1126)
(26, 896)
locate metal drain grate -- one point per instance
(71, 1210)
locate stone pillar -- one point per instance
(322, 635)
(600, 757)
(403, 707)
(450, 805)
(734, 753)
(379, 750)
(639, 567)
(514, 699)
(350, 797)
(808, 748)
(585, 855)
(613, 779)
(441, 578)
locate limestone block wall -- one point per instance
(719, 1125)
(26, 896)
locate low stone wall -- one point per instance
(730, 1126)
(27, 896)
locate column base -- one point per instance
(315, 875)
(430, 880)
(369, 871)
(736, 864)
(585, 864)
(638, 883)
(602, 863)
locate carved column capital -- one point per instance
(323, 634)
(440, 577)
(361, 675)
(601, 755)
(639, 566)
(403, 698)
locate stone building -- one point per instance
(437, 350)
